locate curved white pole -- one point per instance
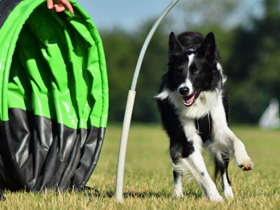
(129, 106)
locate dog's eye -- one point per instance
(196, 71)
(180, 71)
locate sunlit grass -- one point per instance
(148, 181)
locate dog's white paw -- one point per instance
(177, 193)
(243, 161)
(216, 197)
(213, 194)
(228, 192)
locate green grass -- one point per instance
(148, 181)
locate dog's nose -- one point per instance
(184, 91)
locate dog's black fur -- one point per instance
(193, 74)
(178, 49)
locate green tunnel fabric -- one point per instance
(54, 96)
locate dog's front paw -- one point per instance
(216, 198)
(177, 193)
(228, 192)
(244, 162)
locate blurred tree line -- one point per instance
(250, 58)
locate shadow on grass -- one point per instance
(132, 194)
(91, 192)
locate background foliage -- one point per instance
(249, 46)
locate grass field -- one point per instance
(148, 181)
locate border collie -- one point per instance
(194, 112)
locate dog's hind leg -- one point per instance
(221, 161)
(221, 166)
(178, 185)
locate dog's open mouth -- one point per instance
(189, 100)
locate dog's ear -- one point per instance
(208, 47)
(174, 45)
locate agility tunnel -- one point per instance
(53, 96)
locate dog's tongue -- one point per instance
(189, 99)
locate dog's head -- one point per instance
(193, 65)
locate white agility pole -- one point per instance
(129, 106)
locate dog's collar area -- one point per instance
(204, 127)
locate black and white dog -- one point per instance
(194, 111)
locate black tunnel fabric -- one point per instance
(6, 7)
(54, 96)
(47, 154)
